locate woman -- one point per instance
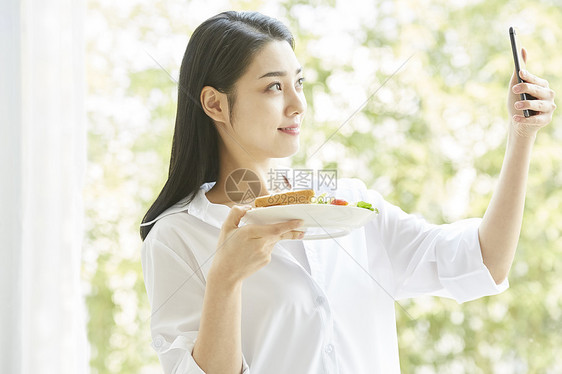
(231, 298)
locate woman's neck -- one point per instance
(242, 185)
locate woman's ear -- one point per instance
(215, 104)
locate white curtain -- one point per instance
(42, 167)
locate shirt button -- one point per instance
(320, 300)
(329, 348)
(158, 342)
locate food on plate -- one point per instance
(306, 197)
(366, 205)
(323, 199)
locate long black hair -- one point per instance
(217, 55)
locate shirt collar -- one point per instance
(202, 208)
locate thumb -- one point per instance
(235, 215)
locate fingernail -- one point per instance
(301, 235)
(519, 105)
(516, 89)
(524, 73)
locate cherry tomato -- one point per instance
(339, 202)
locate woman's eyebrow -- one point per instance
(279, 73)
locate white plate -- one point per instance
(320, 221)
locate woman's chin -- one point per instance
(287, 151)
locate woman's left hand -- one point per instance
(544, 104)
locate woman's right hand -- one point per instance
(241, 251)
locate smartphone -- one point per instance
(517, 59)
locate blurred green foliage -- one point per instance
(431, 140)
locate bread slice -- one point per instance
(285, 198)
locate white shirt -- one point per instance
(319, 306)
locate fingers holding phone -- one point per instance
(530, 99)
(539, 90)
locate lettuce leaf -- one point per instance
(366, 205)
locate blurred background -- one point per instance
(431, 141)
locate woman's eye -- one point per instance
(277, 85)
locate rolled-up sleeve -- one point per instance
(428, 259)
(175, 293)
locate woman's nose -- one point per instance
(296, 102)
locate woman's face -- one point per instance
(269, 96)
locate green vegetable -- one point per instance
(323, 199)
(366, 205)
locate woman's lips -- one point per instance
(290, 130)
